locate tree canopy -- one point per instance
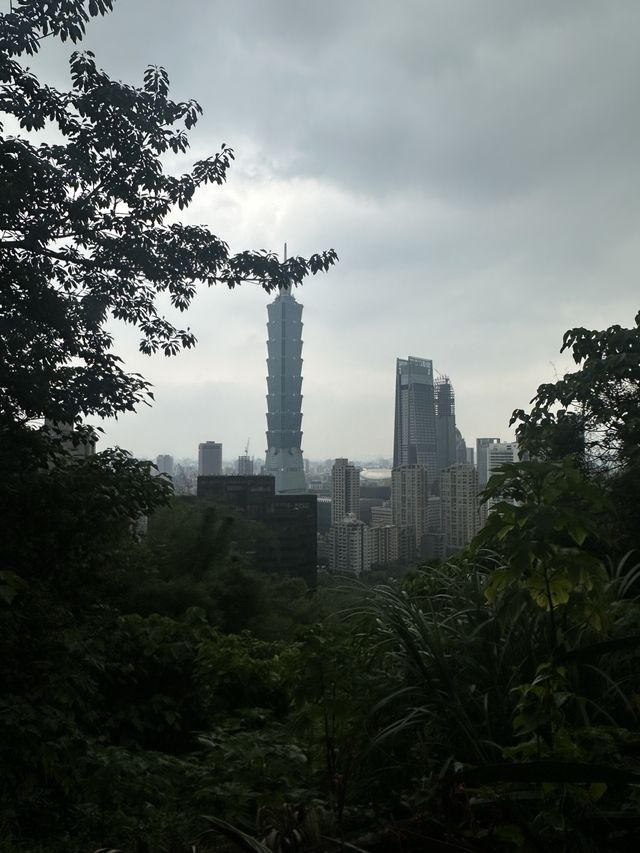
(88, 216)
(593, 412)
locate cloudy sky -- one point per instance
(475, 164)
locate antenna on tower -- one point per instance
(285, 251)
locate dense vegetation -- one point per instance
(159, 693)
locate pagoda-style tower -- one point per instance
(284, 398)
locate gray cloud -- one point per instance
(475, 164)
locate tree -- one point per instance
(86, 228)
(88, 231)
(593, 416)
(594, 412)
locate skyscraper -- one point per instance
(345, 490)
(284, 398)
(209, 459)
(414, 440)
(446, 438)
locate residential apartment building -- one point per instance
(345, 490)
(409, 499)
(349, 547)
(459, 506)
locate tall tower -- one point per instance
(445, 423)
(284, 394)
(414, 440)
(345, 491)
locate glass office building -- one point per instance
(414, 441)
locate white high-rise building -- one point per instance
(349, 547)
(497, 455)
(482, 459)
(459, 506)
(409, 499)
(209, 459)
(164, 464)
(384, 544)
(345, 490)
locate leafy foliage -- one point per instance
(88, 225)
(595, 411)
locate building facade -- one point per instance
(292, 519)
(462, 451)
(164, 464)
(345, 490)
(209, 459)
(409, 499)
(245, 466)
(446, 433)
(459, 506)
(284, 459)
(384, 544)
(382, 515)
(349, 547)
(502, 453)
(482, 459)
(414, 438)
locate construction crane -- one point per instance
(246, 447)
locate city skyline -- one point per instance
(476, 216)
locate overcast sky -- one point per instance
(474, 163)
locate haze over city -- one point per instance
(473, 164)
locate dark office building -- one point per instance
(324, 514)
(446, 439)
(414, 439)
(291, 518)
